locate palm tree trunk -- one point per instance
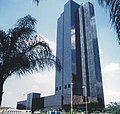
(1, 90)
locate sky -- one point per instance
(47, 13)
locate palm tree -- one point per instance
(113, 7)
(23, 52)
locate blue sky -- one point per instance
(47, 14)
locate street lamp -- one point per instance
(84, 87)
(71, 97)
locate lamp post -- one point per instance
(71, 98)
(84, 87)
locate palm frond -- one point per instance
(36, 1)
(2, 45)
(23, 31)
(24, 52)
(27, 21)
(37, 56)
(114, 10)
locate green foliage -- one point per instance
(97, 112)
(113, 108)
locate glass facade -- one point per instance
(66, 49)
(30, 98)
(77, 50)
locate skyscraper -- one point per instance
(78, 52)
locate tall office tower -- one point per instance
(78, 52)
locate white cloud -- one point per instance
(52, 44)
(44, 82)
(35, 88)
(111, 67)
(112, 96)
(44, 77)
(100, 50)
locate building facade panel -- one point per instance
(80, 51)
(53, 101)
(90, 54)
(60, 54)
(30, 98)
(67, 73)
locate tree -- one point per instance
(23, 52)
(113, 108)
(97, 112)
(113, 7)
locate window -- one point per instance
(65, 86)
(68, 85)
(56, 88)
(59, 87)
